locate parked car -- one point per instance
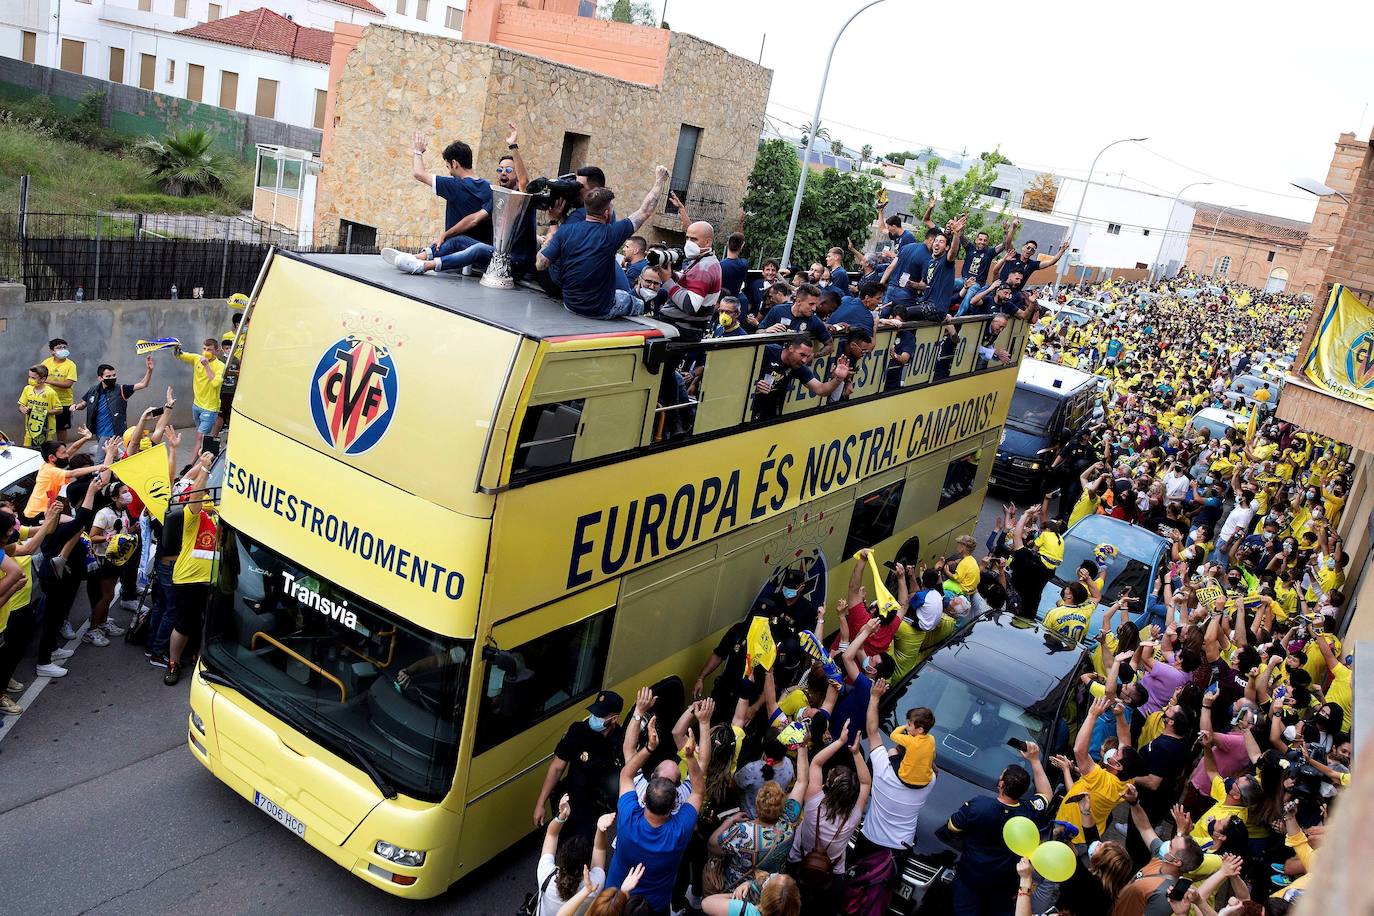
(18, 471)
(1140, 560)
(999, 677)
(1050, 404)
(1076, 316)
(1250, 383)
(1216, 421)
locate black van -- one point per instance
(1051, 403)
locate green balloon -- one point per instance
(1054, 860)
(1021, 835)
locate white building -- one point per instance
(237, 55)
(1125, 227)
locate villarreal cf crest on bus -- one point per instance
(354, 388)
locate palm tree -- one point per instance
(183, 164)
(865, 153)
(837, 147)
(822, 134)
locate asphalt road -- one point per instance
(103, 810)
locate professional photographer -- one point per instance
(693, 291)
(582, 252)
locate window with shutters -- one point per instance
(454, 19)
(73, 55)
(179, 8)
(422, 10)
(195, 82)
(321, 96)
(267, 98)
(213, 12)
(147, 70)
(228, 89)
(116, 65)
(30, 47)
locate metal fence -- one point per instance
(59, 256)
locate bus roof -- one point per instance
(1051, 377)
(524, 311)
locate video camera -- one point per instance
(545, 192)
(660, 255)
(1307, 780)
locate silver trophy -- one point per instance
(507, 209)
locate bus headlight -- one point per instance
(413, 858)
(198, 722)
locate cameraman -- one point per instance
(583, 253)
(692, 292)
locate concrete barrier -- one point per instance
(103, 332)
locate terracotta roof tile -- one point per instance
(361, 5)
(263, 30)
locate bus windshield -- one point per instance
(383, 694)
(1031, 410)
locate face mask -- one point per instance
(61, 462)
(725, 320)
(691, 249)
(62, 354)
(125, 499)
(597, 723)
(1268, 535)
(790, 593)
(109, 382)
(648, 295)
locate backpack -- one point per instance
(815, 873)
(867, 890)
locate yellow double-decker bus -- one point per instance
(448, 519)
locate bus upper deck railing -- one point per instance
(619, 408)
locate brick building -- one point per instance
(582, 92)
(1271, 252)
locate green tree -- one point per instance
(865, 154)
(1041, 193)
(183, 163)
(962, 195)
(901, 157)
(634, 13)
(836, 206)
(837, 147)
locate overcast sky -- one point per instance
(1251, 94)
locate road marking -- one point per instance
(35, 688)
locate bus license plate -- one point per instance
(275, 811)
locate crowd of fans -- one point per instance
(81, 524)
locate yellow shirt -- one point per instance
(22, 597)
(906, 648)
(1261, 395)
(40, 423)
(918, 757)
(1070, 620)
(967, 575)
(64, 371)
(189, 568)
(1339, 692)
(206, 389)
(1218, 812)
(1103, 789)
(1153, 727)
(1087, 505)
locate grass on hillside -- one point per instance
(69, 178)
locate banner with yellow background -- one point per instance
(1341, 360)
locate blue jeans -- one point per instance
(454, 245)
(204, 419)
(625, 306)
(973, 290)
(164, 613)
(478, 254)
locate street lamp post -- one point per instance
(1169, 219)
(1211, 236)
(811, 137)
(1073, 228)
(1311, 186)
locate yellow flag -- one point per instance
(1341, 360)
(887, 605)
(1253, 424)
(759, 647)
(146, 474)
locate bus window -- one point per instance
(527, 684)
(875, 516)
(547, 436)
(354, 678)
(959, 478)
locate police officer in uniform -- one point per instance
(985, 879)
(586, 765)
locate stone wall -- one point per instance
(104, 332)
(396, 81)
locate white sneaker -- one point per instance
(467, 271)
(425, 253)
(53, 671)
(67, 632)
(15, 686)
(129, 604)
(112, 629)
(61, 655)
(96, 637)
(405, 263)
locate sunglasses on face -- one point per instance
(505, 169)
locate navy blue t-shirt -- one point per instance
(839, 280)
(585, 252)
(465, 196)
(733, 273)
(526, 240)
(939, 282)
(912, 262)
(977, 263)
(632, 271)
(1016, 262)
(782, 314)
(852, 708)
(852, 313)
(905, 239)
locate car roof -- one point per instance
(1132, 540)
(16, 462)
(1043, 376)
(1217, 415)
(1013, 657)
(523, 310)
